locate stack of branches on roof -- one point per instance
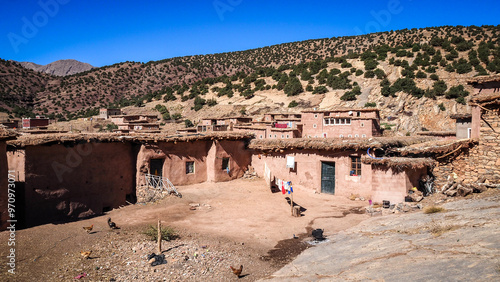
(399, 163)
(6, 134)
(333, 144)
(47, 139)
(435, 149)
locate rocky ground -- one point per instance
(460, 242)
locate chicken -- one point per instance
(88, 228)
(85, 255)
(112, 225)
(237, 271)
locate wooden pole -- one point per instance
(159, 236)
(291, 202)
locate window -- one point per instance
(341, 136)
(337, 121)
(189, 167)
(364, 135)
(270, 136)
(225, 163)
(350, 136)
(355, 166)
(274, 135)
(362, 125)
(282, 136)
(469, 132)
(260, 137)
(314, 125)
(358, 114)
(356, 135)
(287, 136)
(315, 116)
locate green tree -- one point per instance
(293, 87)
(439, 87)
(293, 104)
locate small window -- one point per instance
(225, 163)
(270, 136)
(327, 121)
(275, 136)
(287, 136)
(315, 116)
(364, 135)
(362, 124)
(348, 121)
(341, 136)
(358, 114)
(314, 125)
(260, 137)
(350, 136)
(189, 167)
(355, 166)
(356, 135)
(282, 136)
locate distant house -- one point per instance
(106, 113)
(464, 125)
(341, 123)
(10, 123)
(39, 122)
(128, 123)
(221, 124)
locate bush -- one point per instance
(379, 73)
(211, 102)
(370, 105)
(433, 209)
(309, 88)
(434, 77)
(441, 107)
(320, 90)
(351, 95)
(369, 74)
(456, 92)
(188, 123)
(293, 87)
(167, 233)
(421, 74)
(293, 104)
(359, 72)
(439, 87)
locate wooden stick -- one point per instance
(291, 202)
(159, 236)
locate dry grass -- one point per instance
(433, 209)
(353, 197)
(167, 233)
(438, 229)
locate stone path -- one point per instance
(459, 244)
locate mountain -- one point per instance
(60, 67)
(416, 77)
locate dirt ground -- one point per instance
(234, 223)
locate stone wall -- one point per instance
(4, 216)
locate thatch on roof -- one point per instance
(332, 144)
(436, 133)
(461, 116)
(486, 98)
(484, 79)
(46, 139)
(434, 148)
(400, 163)
(6, 134)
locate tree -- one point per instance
(293, 104)
(439, 87)
(293, 87)
(188, 123)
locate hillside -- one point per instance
(417, 78)
(60, 67)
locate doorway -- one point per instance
(328, 177)
(156, 167)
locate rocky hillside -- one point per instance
(60, 67)
(416, 77)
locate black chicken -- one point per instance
(112, 225)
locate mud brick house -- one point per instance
(463, 125)
(70, 176)
(106, 113)
(259, 131)
(341, 123)
(4, 179)
(38, 122)
(334, 166)
(222, 124)
(130, 123)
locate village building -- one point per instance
(140, 122)
(335, 167)
(463, 125)
(107, 113)
(71, 176)
(341, 123)
(13, 124)
(222, 124)
(40, 122)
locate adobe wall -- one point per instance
(4, 216)
(393, 185)
(357, 127)
(76, 181)
(307, 173)
(175, 156)
(239, 160)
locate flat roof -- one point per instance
(342, 110)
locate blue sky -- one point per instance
(104, 32)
